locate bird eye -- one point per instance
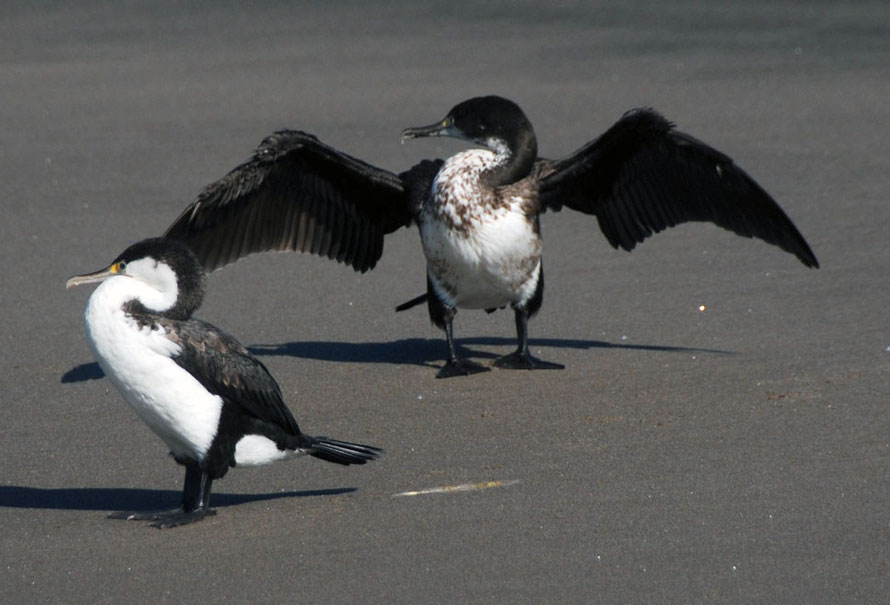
(121, 265)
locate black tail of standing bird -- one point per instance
(341, 452)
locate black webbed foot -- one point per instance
(524, 361)
(460, 367)
(195, 502)
(166, 518)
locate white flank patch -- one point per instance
(252, 450)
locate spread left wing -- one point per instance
(642, 176)
(296, 193)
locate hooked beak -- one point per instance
(442, 128)
(91, 278)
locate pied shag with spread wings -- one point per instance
(478, 211)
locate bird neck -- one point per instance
(109, 320)
(126, 297)
(515, 159)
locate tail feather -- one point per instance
(412, 303)
(342, 452)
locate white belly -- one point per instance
(165, 397)
(495, 262)
(482, 250)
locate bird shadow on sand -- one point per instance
(117, 499)
(83, 372)
(410, 351)
(431, 352)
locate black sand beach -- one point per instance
(735, 454)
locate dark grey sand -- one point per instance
(735, 454)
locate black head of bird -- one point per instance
(166, 267)
(493, 122)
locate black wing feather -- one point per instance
(225, 368)
(642, 176)
(295, 193)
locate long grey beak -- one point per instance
(91, 278)
(442, 128)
